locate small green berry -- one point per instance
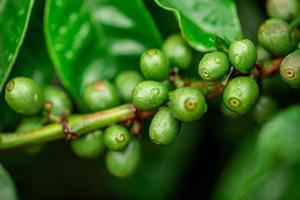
(264, 109)
(187, 104)
(149, 95)
(242, 54)
(241, 94)
(227, 112)
(164, 127)
(123, 163)
(283, 9)
(290, 69)
(177, 51)
(154, 65)
(89, 146)
(274, 35)
(262, 53)
(29, 124)
(24, 96)
(100, 95)
(116, 137)
(213, 66)
(58, 100)
(126, 82)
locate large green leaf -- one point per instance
(33, 61)
(201, 20)
(14, 17)
(95, 39)
(7, 187)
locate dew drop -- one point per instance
(21, 12)
(62, 30)
(69, 55)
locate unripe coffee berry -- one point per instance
(274, 35)
(116, 137)
(149, 95)
(241, 94)
(242, 54)
(126, 82)
(164, 127)
(123, 163)
(290, 69)
(100, 95)
(213, 66)
(89, 146)
(283, 9)
(57, 101)
(24, 96)
(264, 109)
(177, 51)
(154, 65)
(187, 104)
(227, 112)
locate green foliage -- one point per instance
(112, 32)
(7, 186)
(201, 20)
(12, 14)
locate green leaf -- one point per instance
(95, 39)
(33, 61)
(201, 20)
(7, 187)
(14, 17)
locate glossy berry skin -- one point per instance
(187, 104)
(177, 51)
(126, 82)
(274, 35)
(24, 96)
(213, 66)
(242, 54)
(149, 95)
(58, 100)
(116, 137)
(283, 9)
(290, 69)
(89, 146)
(241, 94)
(100, 95)
(123, 163)
(154, 65)
(164, 128)
(264, 109)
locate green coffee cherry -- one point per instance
(123, 163)
(116, 137)
(290, 69)
(29, 124)
(283, 9)
(177, 51)
(187, 104)
(149, 95)
(264, 109)
(241, 94)
(154, 65)
(274, 35)
(262, 53)
(24, 96)
(242, 54)
(58, 100)
(227, 112)
(89, 146)
(164, 127)
(213, 66)
(126, 82)
(100, 95)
